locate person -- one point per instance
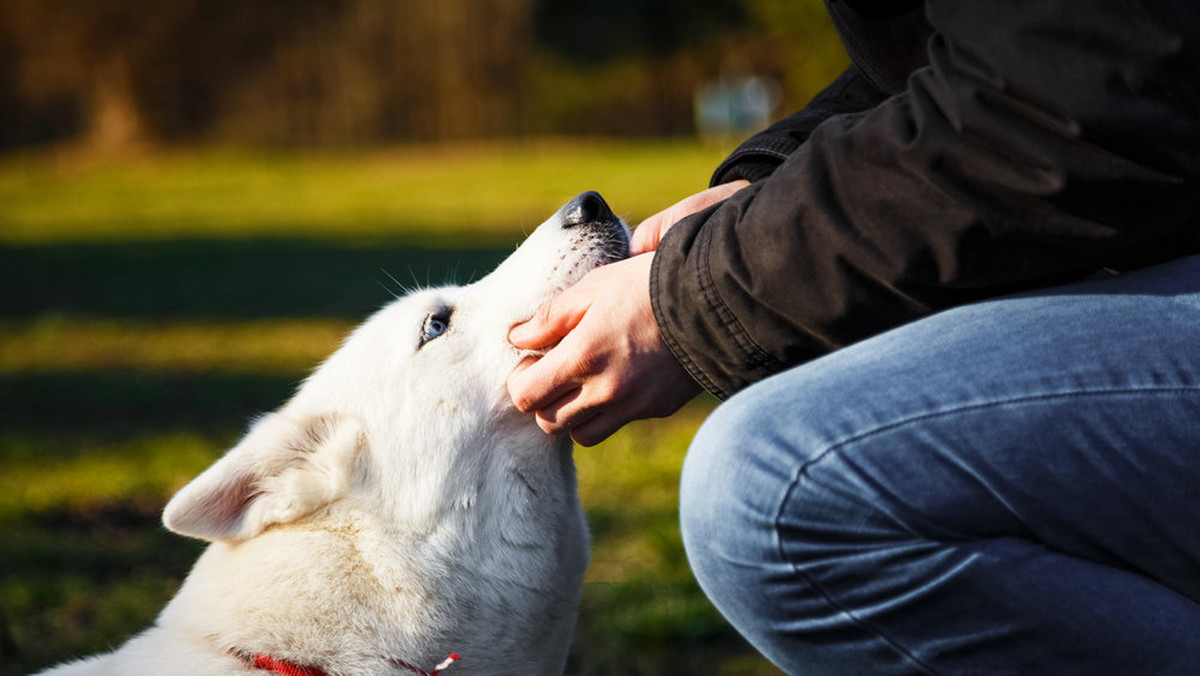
(954, 307)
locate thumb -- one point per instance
(553, 320)
(647, 235)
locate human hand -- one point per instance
(647, 235)
(607, 363)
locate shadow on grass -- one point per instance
(71, 581)
(116, 403)
(235, 279)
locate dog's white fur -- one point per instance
(397, 507)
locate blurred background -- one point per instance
(199, 197)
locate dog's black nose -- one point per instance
(589, 207)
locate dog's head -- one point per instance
(414, 396)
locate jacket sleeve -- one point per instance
(1044, 141)
(760, 154)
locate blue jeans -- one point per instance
(1011, 487)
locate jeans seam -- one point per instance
(834, 447)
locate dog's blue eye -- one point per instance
(435, 325)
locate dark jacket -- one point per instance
(974, 149)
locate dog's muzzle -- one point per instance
(588, 207)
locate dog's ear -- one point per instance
(281, 470)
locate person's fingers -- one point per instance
(535, 385)
(563, 413)
(648, 235)
(553, 320)
(587, 426)
(599, 427)
(606, 370)
(579, 404)
(535, 388)
(526, 361)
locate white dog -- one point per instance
(398, 509)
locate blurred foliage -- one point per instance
(595, 31)
(134, 351)
(115, 74)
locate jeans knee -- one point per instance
(725, 512)
(760, 474)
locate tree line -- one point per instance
(331, 73)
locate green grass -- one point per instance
(55, 343)
(152, 306)
(437, 195)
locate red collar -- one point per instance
(268, 663)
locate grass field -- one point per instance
(151, 306)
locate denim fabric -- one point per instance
(1011, 487)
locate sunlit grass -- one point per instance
(63, 344)
(497, 190)
(73, 473)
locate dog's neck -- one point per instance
(287, 608)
